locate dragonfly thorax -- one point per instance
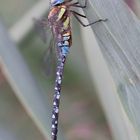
(56, 2)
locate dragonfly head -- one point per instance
(55, 2)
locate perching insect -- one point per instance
(59, 22)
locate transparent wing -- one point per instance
(42, 29)
(49, 56)
(50, 59)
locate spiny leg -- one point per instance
(74, 12)
(85, 25)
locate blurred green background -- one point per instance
(81, 116)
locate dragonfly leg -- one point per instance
(75, 13)
(85, 25)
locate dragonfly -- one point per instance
(58, 21)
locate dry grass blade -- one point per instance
(119, 40)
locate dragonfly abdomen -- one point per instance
(65, 43)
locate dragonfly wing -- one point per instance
(41, 27)
(49, 59)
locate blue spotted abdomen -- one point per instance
(65, 43)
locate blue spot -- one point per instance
(65, 50)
